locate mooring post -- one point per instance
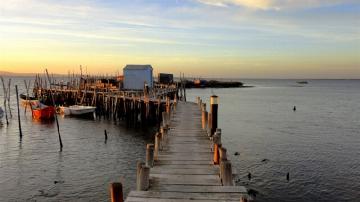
(203, 116)
(150, 155)
(18, 108)
(144, 177)
(164, 119)
(198, 101)
(116, 192)
(163, 136)
(214, 113)
(217, 145)
(222, 158)
(209, 125)
(106, 136)
(226, 171)
(139, 165)
(157, 146)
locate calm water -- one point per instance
(319, 145)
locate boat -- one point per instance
(41, 111)
(25, 100)
(77, 110)
(302, 82)
(1, 113)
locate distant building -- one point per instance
(165, 78)
(136, 76)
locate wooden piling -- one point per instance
(144, 177)
(18, 109)
(203, 116)
(157, 146)
(116, 192)
(214, 113)
(150, 155)
(226, 171)
(106, 136)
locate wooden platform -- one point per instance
(184, 170)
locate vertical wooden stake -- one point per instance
(226, 171)
(116, 192)
(18, 108)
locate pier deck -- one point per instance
(184, 170)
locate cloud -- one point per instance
(275, 4)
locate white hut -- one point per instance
(136, 76)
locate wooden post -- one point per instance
(17, 102)
(150, 155)
(209, 125)
(222, 152)
(106, 136)
(217, 144)
(157, 146)
(226, 171)
(139, 165)
(164, 119)
(144, 177)
(116, 192)
(163, 136)
(214, 113)
(203, 116)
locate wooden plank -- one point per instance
(185, 162)
(201, 189)
(189, 196)
(184, 179)
(180, 171)
(138, 199)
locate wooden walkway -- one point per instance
(184, 170)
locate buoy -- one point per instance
(249, 176)
(288, 176)
(294, 108)
(236, 153)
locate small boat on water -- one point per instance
(77, 110)
(41, 111)
(302, 82)
(26, 100)
(1, 113)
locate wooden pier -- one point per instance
(187, 162)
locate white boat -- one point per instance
(1, 113)
(77, 110)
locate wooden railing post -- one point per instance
(116, 192)
(150, 155)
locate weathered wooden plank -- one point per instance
(189, 196)
(181, 171)
(138, 199)
(184, 179)
(201, 189)
(185, 162)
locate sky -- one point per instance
(201, 38)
